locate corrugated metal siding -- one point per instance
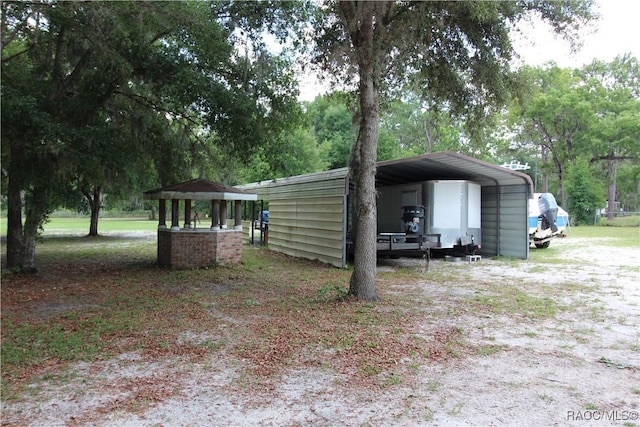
(504, 221)
(308, 227)
(315, 184)
(305, 209)
(307, 215)
(489, 220)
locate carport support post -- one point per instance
(215, 214)
(162, 214)
(238, 215)
(175, 214)
(253, 217)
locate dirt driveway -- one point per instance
(558, 343)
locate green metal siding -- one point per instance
(308, 227)
(307, 215)
(504, 221)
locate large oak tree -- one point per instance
(94, 92)
(457, 53)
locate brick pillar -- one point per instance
(175, 214)
(215, 214)
(237, 225)
(162, 213)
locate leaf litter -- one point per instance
(254, 345)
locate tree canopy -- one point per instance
(590, 113)
(114, 97)
(96, 92)
(456, 53)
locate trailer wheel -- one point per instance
(543, 245)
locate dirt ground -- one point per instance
(578, 367)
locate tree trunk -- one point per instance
(360, 25)
(31, 226)
(612, 169)
(561, 195)
(363, 168)
(545, 173)
(94, 202)
(36, 202)
(21, 242)
(22, 238)
(637, 198)
(14, 223)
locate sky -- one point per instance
(615, 33)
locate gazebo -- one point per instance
(189, 246)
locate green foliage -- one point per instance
(119, 96)
(453, 54)
(332, 292)
(556, 117)
(295, 152)
(593, 112)
(627, 181)
(585, 191)
(299, 154)
(330, 119)
(418, 127)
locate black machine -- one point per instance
(548, 211)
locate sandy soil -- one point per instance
(579, 367)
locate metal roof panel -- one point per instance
(199, 189)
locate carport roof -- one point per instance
(433, 166)
(447, 165)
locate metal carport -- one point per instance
(309, 214)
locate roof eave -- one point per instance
(182, 195)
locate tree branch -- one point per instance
(149, 103)
(15, 55)
(611, 157)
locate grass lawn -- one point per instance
(622, 221)
(80, 225)
(105, 225)
(619, 235)
(98, 298)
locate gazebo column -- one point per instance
(187, 213)
(162, 213)
(223, 214)
(215, 214)
(175, 214)
(237, 215)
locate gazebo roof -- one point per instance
(199, 189)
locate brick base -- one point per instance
(198, 248)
